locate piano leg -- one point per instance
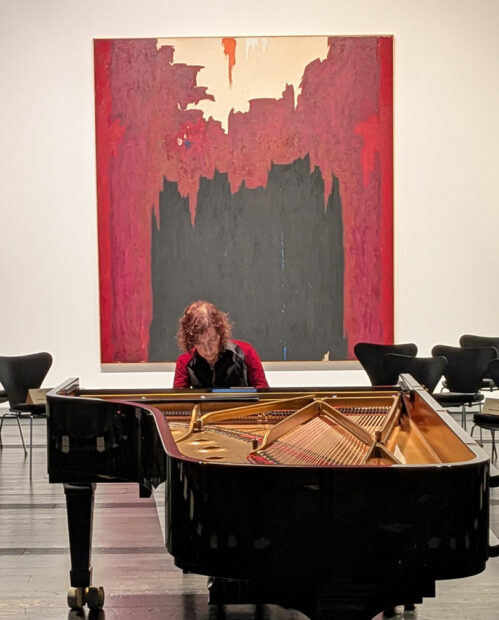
(80, 508)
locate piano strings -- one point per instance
(298, 431)
(321, 441)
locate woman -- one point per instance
(211, 359)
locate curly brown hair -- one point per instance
(196, 319)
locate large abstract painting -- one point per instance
(256, 173)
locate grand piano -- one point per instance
(336, 502)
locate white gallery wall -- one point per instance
(446, 163)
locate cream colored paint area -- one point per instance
(263, 67)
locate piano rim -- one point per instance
(66, 391)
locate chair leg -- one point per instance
(473, 430)
(494, 450)
(463, 417)
(30, 446)
(20, 432)
(7, 413)
(22, 436)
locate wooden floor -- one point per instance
(130, 560)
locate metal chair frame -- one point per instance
(12, 413)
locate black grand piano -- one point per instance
(337, 502)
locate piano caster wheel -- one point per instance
(95, 597)
(76, 598)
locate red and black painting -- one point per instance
(255, 173)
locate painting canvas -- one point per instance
(255, 173)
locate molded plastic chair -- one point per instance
(426, 370)
(463, 376)
(19, 374)
(371, 355)
(489, 421)
(470, 340)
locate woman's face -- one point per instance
(208, 345)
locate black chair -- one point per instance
(371, 355)
(19, 374)
(426, 370)
(470, 340)
(465, 370)
(489, 421)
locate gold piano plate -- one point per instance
(316, 429)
